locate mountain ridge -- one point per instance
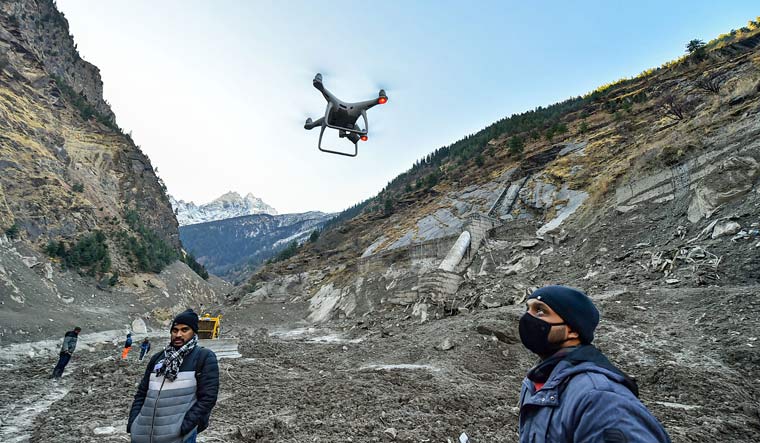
(233, 248)
(228, 205)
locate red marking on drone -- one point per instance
(364, 138)
(382, 100)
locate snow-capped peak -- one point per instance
(229, 205)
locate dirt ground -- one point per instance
(694, 351)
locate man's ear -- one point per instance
(571, 334)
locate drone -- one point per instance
(342, 116)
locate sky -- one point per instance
(216, 92)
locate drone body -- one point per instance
(343, 116)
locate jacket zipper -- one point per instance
(153, 420)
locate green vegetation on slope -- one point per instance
(86, 110)
(149, 252)
(90, 251)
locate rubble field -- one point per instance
(694, 351)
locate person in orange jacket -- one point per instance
(127, 347)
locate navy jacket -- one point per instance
(167, 411)
(585, 399)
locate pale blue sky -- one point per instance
(215, 92)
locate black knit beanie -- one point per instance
(575, 308)
(189, 318)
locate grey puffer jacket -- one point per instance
(166, 411)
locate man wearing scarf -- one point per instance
(178, 390)
(574, 394)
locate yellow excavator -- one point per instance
(209, 329)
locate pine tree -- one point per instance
(516, 145)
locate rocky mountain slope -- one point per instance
(227, 206)
(84, 220)
(232, 249)
(67, 169)
(679, 143)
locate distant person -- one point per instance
(67, 349)
(144, 348)
(127, 346)
(181, 384)
(574, 394)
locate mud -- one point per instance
(694, 351)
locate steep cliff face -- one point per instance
(46, 34)
(65, 167)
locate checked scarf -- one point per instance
(172, 360)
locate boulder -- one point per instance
(138, 326)
(30, 262)
(540, 195)
(527, 244)
(445, 345)
(725, 228)
(493, 300)
(526, 264)
(487, 266)
(420, 310)
(503, 333)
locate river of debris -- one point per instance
(695, 353)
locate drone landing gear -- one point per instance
(330, 151)
(321, 122)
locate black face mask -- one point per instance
(534, 334)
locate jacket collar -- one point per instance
(586, 358)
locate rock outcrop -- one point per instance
(74, 186)
(66, 169)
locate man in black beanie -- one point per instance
(182, 382)
(574, 394)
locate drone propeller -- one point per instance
(387, 84)
(309, 69)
